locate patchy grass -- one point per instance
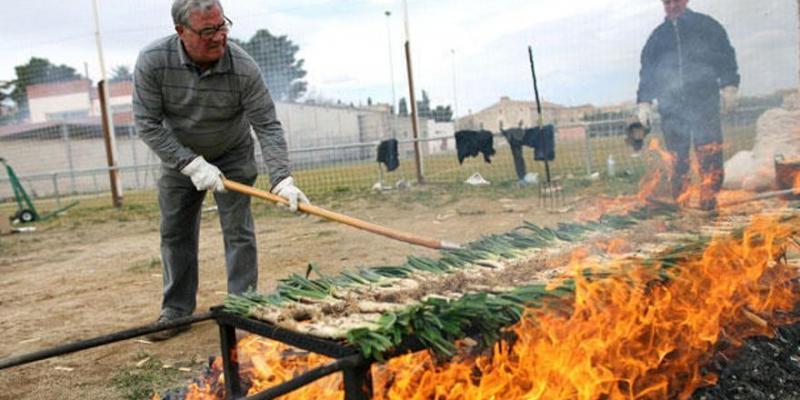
(142, 266)
(136, 382)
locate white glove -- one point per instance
(289, 191)
(729, 98)
(204, 176)
(645, 114)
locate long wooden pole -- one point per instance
(413, 98)
(105, 113)
(344, 219)
(108, 140)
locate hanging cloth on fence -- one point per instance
(518, 137)
(470, 143)
(545, 142)
(387, 154)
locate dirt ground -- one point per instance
(73, 281)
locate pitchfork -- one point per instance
(551, 194)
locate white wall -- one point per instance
(443, 130)
(41, 106)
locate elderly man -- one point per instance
(686, 62)
(196, 98)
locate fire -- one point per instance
(627, 337)
(665, 162)
(266, 363)
(615, 247)
(660, 166)
(707, 179)
(796, 185)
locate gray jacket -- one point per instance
(182, 112)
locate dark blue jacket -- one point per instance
(684, 64)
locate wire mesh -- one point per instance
(339, 79)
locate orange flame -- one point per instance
(661, 166)
(615, 247)
(796, 185)
(625, 337)
(707, 179)
(665, 162)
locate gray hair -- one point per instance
(181, 9)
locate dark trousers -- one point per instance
(180, 205)
(704, 132)
(519, 161)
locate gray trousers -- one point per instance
(180, 205)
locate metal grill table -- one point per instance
(354, 367)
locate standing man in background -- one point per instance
(196, 98)
(688, 66)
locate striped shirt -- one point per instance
(182, 112)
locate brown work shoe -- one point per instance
(166, 334)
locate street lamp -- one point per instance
(391, 62)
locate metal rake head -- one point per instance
(551, 194)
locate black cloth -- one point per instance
(470, 143)
(387, 154)
(516, 138)
(685, 63)
(544, 140)
(520, 137)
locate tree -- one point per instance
(121, 73)
(442, 114)
(276, 56)
(6, 87)
(424, 106)
(36, 71)
(438, 114)
(7, 111)
(402, 107)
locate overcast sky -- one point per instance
(466, 53)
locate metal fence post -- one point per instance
(588, 151)
(132, 139)
(55, 190)
(68, 148)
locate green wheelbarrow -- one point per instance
(26, 211)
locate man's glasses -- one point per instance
(208, 33)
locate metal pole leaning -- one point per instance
(344, 219)
(102, 340)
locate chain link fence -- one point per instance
(340, 90)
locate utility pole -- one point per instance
(391, 61)
(412, 97)
(108, 123)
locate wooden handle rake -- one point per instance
(344, 219)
